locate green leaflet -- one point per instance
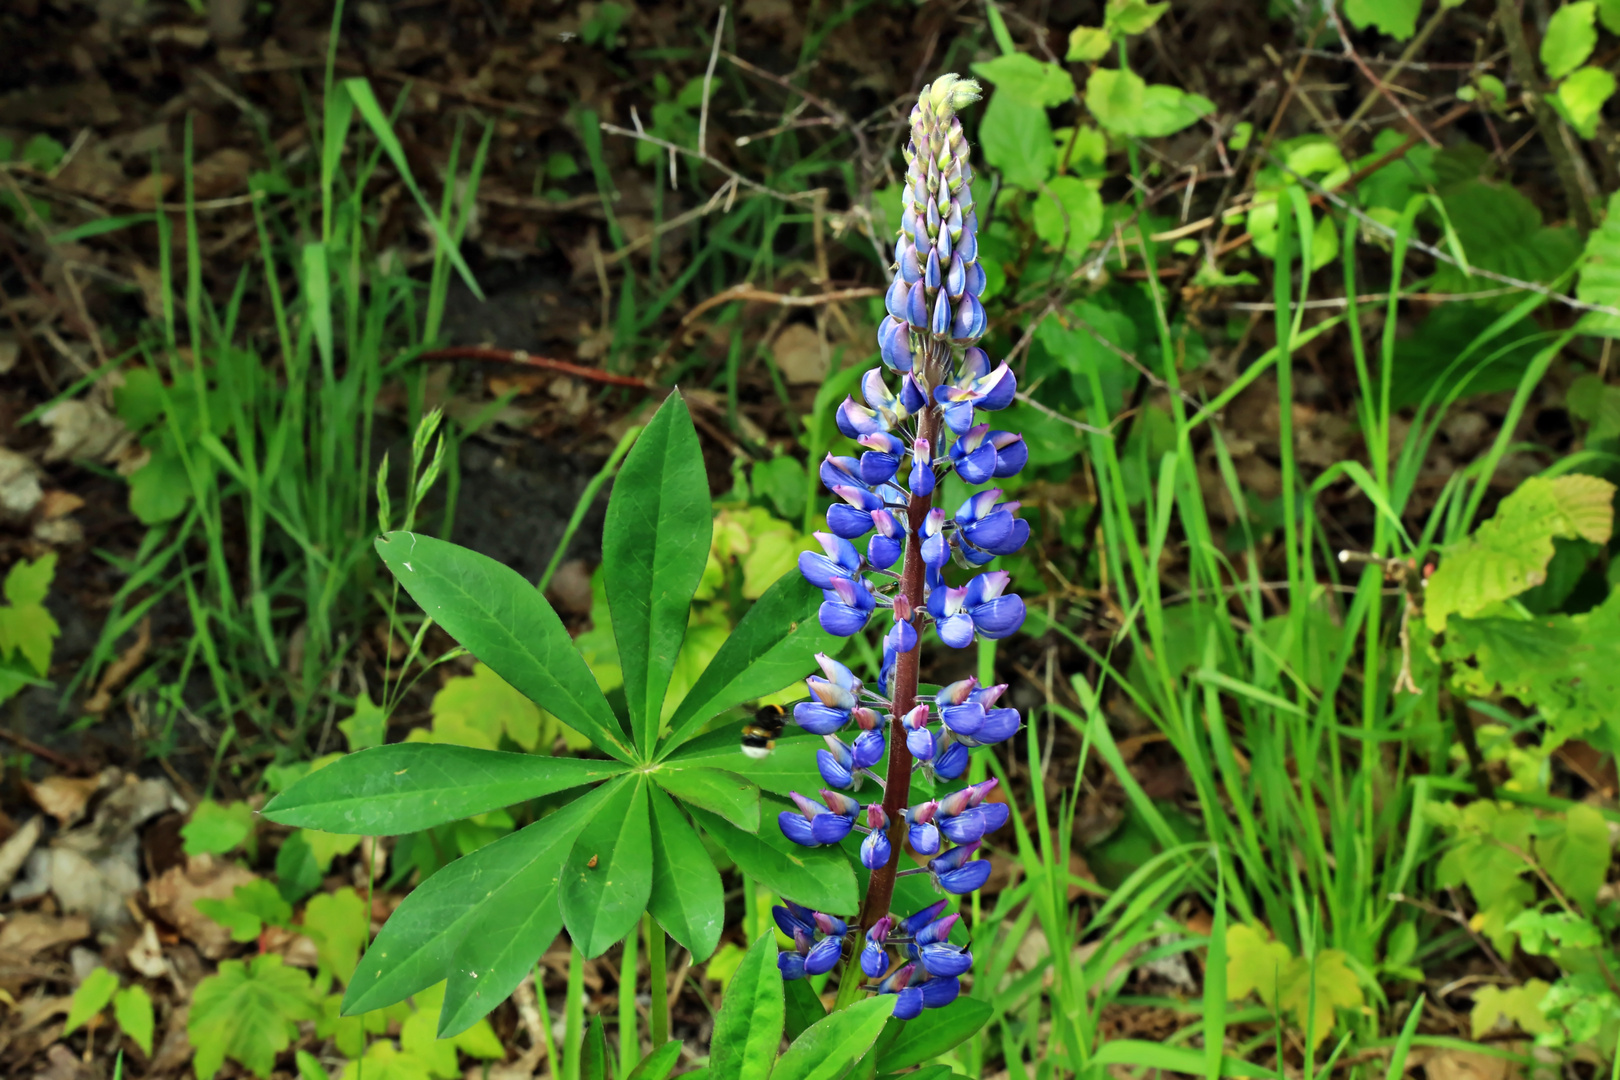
(490, 913)
(686, 899)
(933, 1033)
(658, 1064)
(654, 547)
(774, 644)
(749, 1026)
(818, 878)
(835, 1042)
(791, 767)
(408, 787)
(725, 793)
(502, 620)
(608, 877)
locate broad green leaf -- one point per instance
(654, 547)
(725, 793)
(1608, 12)
(90, 998)
(502, 620)
(1581, 97)
(1017, 139)
(480, 922)
(933, 1033)
(749, 1026)
(1031, 81)
(132, 1007)
(803, 1008)
(1509, 553)
(408, 787)
(1397, 18)
(791, 767)
(1132, 16)
(774, 644)
(1068, 214)
(1124, 104)
(1314, 990)
(686, 898)
(216, 828)
(1088, 44)
(1502, 231)
(608, 876)
(1577, 856)
(1571, 37)
(250, 907)
(835, 1042)
(248, 1012)
(1254, 963)
(658, 1064)
(818, 878)
(593, 1064)
(1599, 282)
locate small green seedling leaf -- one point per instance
(132, 1007)
(216, 828)
(90, 998)
(248, 1012)
(1571, 37)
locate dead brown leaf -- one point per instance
(121, 669)
(59, 504)
(224, 172)
(63, 797)
(27, 933)
(174, 894)
(15, 851)
(145, 954)
(19, 484)
(800, 355)
(1467, 1065)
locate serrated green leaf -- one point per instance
(749, 1025)
(1571, 37)
(132, 1008)
(1017, 139)
(338, 924)
(1581, 97)
(1033, 82)
(774, 644)
(720, 792)
(1608, 12)
(216, 828)
(1088, 44)
(502, 620)
(1519, 1005)
(480, 922)
(835, 1042)
(248, 1012)
(686, 898)
(367, 726)
(607, 879)
(1126, 105)
(249, 909)
(1254, 964)
(654, 547)
(1132, 16)
(1577, 856)
(933, 1033)
(90, 998)
(28, 582)
(408, 787)
(818, 878)
(1397, 18)
(1509, 553)
(1068, 214)
(1599, 281)
(477, 709)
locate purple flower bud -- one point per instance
(956, 277)
(940, 325)
(916, 312)
(829, 924)
(907, 266)
(894, 345)
(931, 272)
(896, 980)
(970, 322)
(911, 395)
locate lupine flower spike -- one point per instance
(888, 546)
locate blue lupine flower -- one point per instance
(836, 471)
(977, 607)
(989, 525)
(837, 697)
(874, 957)
(854, 419)
(957, 871)
(841, 560)
(791, 919)
(791, 965)
(976, 387)
(892, 410)
(815, 824)
(1012, 453)
(913, 924)
(994, 726)
(919, 740)
(829, 924)
(909, 1003)
(902, 636)
(870, 743)
(882, 457)
(920, 828)
(852, 518)
(936, 552)
(950, 760)
(940, 992)
(943, 959)
(836, 763)
(884, 549)
(921, 477)
(823, 956)
(876, 849)
(974, 455)
(848, 605)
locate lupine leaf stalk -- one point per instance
(910, 438)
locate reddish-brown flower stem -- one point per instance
(880, 892)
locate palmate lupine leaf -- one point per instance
(687, 898)
(749, 1027)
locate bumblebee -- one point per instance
(759, 735)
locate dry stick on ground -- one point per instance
(1547, 122)
(1372, 77)
(519, 356)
